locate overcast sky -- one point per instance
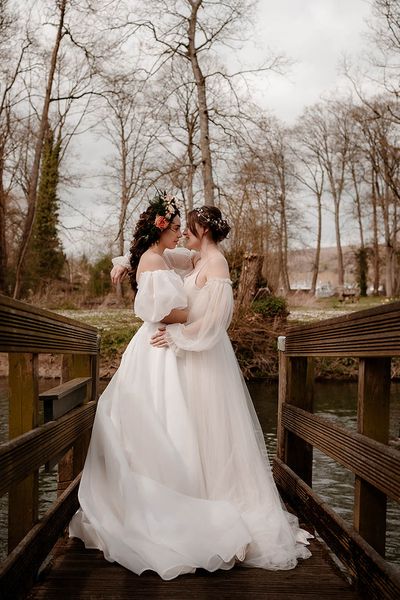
(315, 34)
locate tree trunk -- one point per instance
(376, 261)
(389, 254)
(3, 242)
(208, 181)
(339, 246)
(315, 268)
(284, 242)
(34, 176)
(358, 206)
(192, 168)
(249, 276)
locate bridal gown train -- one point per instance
(177, 474)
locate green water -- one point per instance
(336, 401)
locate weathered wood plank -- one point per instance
(373, 415)
(71, 464)
(18, 571)
(375, 462)
(372, 332)
(59, 400)
(84, 574)
(377, 579)
(28, 452)
(282, 400)
(23, 416)
(24, 328)
(298, 452)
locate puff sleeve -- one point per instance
(180, 259)
(205, 331)
(158, 293)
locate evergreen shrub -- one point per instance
(271, 307)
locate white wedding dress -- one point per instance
(177, 474)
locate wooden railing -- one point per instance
(374, 337)
(62, 436)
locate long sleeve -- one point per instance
(206, 330)
(124, 260)
(158, 293)
(180, 259)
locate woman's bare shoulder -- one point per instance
(217, 266)
(151, 261)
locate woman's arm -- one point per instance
(121, 266)
(204, 332)
(177, 315)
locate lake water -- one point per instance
(332, 482)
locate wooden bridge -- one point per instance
(43, 564)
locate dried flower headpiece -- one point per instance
(166, 208)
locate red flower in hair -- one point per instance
(161, 222)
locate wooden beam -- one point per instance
(23, 416)
(372, 332)
(28, 452)
(24, 328)
(18, 571)
(59, 400)
(282, 399)
(298, 452)
(376, 578)
(373, 421)
(75, 366)
(372, 461)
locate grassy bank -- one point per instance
(254, 340)
(116, 327)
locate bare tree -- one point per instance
(43, 123)
(13, 49)
(330, 141)
(130, 128)
(189, 31)
(381, 141)
(386, 34)
(311, 174)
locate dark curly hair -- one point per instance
(147, 232)
(211, 218)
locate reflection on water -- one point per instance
(336, 401)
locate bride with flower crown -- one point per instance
(177, 475)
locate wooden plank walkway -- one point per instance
(79, 574)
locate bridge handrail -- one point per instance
(26, 328)
(372, 336)
(25, 332)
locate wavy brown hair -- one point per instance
(146, 233)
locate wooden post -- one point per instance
(299, 454)
(95, 371)
(23, 416)
(296, 388)
(372, 421)
(75, 365)
(282, 398)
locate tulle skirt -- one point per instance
(177, 474)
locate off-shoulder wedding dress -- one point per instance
(177, 475)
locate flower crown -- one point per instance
(217, 223)
(166, 208)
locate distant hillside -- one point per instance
(300, 266)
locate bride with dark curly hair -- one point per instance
(177, 475)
